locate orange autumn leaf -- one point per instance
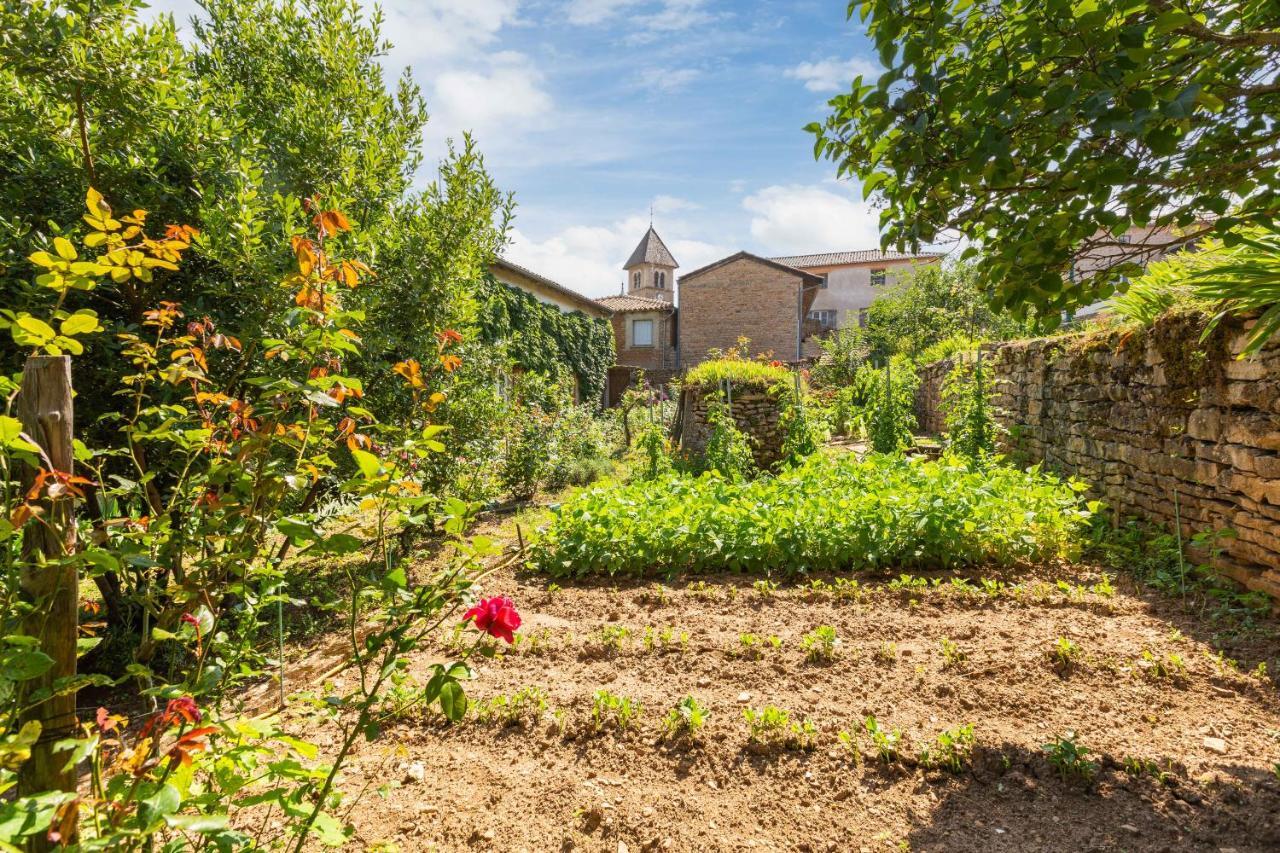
(450, 363)
(411, 370)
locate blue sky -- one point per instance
(593, 110)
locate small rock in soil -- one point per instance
(415, 773)
(1216, 744)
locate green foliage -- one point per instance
(687, 718)
(829, 514)
(1244, 278)
(1039, 129)
(1068, 756)
(610, 709)
(728, 450)
(1166, 284)
(972, 429)
(843, 352)
(892, 414)
(930, 304)
(268, 103)
(771, 726)
(952, 750)
(758, 375)
(654, 450)
(886, 741)
(544, 339)
(820, 644)
(802, 433)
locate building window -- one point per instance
(823, 286)
(642, 333)
(659, 280)
(826, 318)
(862, 318)
(635, 280)
(877, 277)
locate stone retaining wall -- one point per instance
(757, 413)
(1143, 414)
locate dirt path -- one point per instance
(546, 780)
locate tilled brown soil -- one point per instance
(1207, 731)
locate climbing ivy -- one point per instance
(543, 338)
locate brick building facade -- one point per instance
(744, 296)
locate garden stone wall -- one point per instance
(757, 413)
(1142, 414)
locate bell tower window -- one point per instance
(635, 280)
(659, 280)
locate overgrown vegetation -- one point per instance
(828, 514)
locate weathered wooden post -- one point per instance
(45, 409)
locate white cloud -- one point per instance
(671, 203)
(666, 16)
(590, 12)
(428, 33)
(798, 219)
(832, 75)
(589, 258)
(485, 99)
(666, 80)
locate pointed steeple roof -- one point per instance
(651, 250)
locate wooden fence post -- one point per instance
(45, 409)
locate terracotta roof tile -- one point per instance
(634, 303)
(860, 256)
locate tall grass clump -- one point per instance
(828, 514)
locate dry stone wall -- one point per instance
(1142, 415)
(757, 413)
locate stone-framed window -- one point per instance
(635, 280)
(878, 277)
(642, 333)
(659, 280)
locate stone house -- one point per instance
(644, 316)
(745, 295)
(851, 282)
(545, 290)
(780, 304)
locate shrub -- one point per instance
(763, 375)
(892, 419)
(971, 426)
(829, 514)
(802, 433)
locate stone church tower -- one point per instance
(651, 270)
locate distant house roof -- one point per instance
(651, 250)
(859, 256)
(623, 304)
(770, 262)
(584, 303)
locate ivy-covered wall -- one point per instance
(543, 338)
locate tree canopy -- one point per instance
(1041, 129)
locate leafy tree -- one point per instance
(933, 303)
(272, 102)
(1038, 129)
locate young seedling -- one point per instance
(527, 704)
(613, 638)
(887, 653)
(847, 589)
(702, 591)
(884, 740)
(1146, 767)
(951, 751)
(1172, 666)
(656, 594)
(687, 718)
(820, 644)
(1104, 587)
(849, 740)
(765, 588)
(608, 707)
(772, 726)
(952, 655)
(1064, 655)
(1068, 756)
